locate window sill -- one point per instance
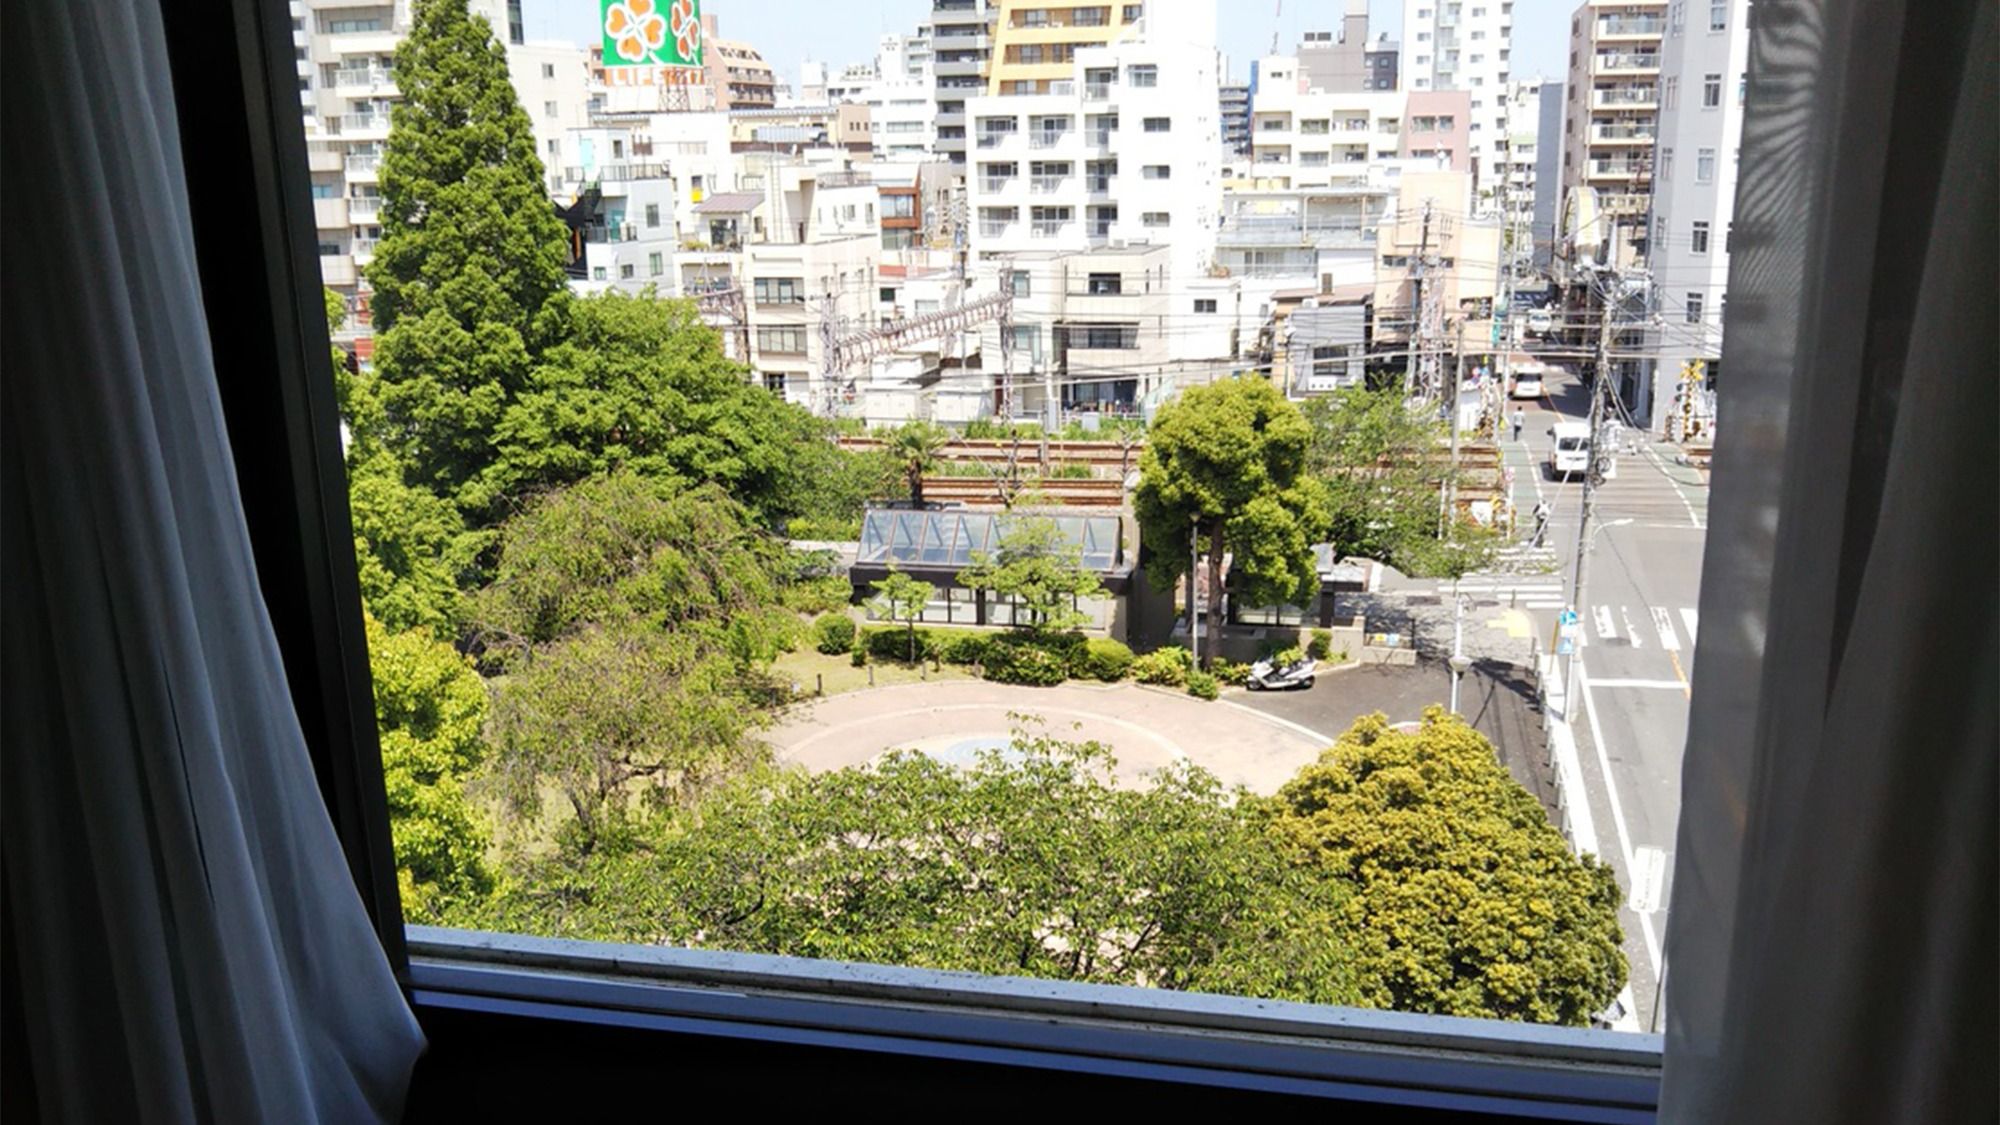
(1390, 1058)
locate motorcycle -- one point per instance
(1266, 676)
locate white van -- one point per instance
(1569, 451)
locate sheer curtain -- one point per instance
(1831, 950)
(190, 942)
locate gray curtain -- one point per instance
(1832, 946)
(189, 942)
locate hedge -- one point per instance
(1320, 646)
(1105, 659)
(833, 633)
(1167, 666)
(1201, 685)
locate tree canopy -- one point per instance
(1466, 900)
(1229, 461)
(1040, 569)
(468, 278)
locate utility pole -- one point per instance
(1603, 373)
(1422, 377)
(1503, 335)
(1194, 572)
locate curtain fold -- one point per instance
(192, 947)
(1833, 938)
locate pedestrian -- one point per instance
(1541, 522)
(1520, 419)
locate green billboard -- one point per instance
(640, 33)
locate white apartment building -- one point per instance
(1089, 330)
(1705, 55)
(1518, 155)
(897, 89)
(1126, 152)
(1302, 137)
(1464, 45)
(1614, 95)
(623, 200)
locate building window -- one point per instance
(782, 341)
(330, 250)
(1018, 283)
(548, 70)
(652, 214)
(1159, 124)
(1718, 14)
(656, 263)
(626, 272)
(1155, 219)
(1670, 92)
(599, 273)
(886, 295)
(1027, 341)
(548, 109)
(1704, 165)
(1142, 76)
(779, 290)
(1711, 91)
(1694, 308)
(1204, 304)
(1666, 162)
(1106, 285)
(1156, 172)
(1104, 337)
(1698, 242)
(1132, 12)
(1677, 16)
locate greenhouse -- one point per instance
(934, 545)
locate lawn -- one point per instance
(838, 675)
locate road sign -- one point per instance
(1566, 632)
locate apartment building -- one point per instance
(1705, 56)
(1318, 238)
(1429, 235)
(1548, 171)
(1124, 150)
(1437, 130)
(1519, 152)
(1089, 330)
(1233, 106)
(618, 200)
(1613, 98)
(1464, 45)
(897, 89)
(1344, 61)
(736, 75)
(1035, 41)
(1302, 136)
(961, 43)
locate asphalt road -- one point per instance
(1639, 624)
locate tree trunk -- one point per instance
(916, 474)
(1214, 593)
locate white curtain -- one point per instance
(190, 943)
(1832, 946)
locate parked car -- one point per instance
(1527, 384)
(1540, 322)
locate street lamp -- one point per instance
(1459, 661)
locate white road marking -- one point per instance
(1555, 604)
(1617, 809)
(1675, 685)
(1688, 618)
(1664, 622)
(1649, 879)
(1605, 628)
(1631, 630)
(1693, 517)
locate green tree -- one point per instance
(1031, 863)
(1228, 462)
(915, 446)
(1467, 901)
(412, 549)
(641, 383)
(468, 278)
(1387, 473)
(429, 707)
(1041, 569)
(623, 720)
(900, 597)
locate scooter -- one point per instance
(1265, 676)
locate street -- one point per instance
(1638, 622)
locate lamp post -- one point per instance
(1459, 662)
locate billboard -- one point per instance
(648, 34)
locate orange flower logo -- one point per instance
(687, 29)
(636, 28)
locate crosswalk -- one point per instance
(1640, 627)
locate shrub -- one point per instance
(833, 633)
(1024, 664)
(893, 643)
(1201, 685)
(1106, 659)
(824, 528)
(1230, 672)
(961, 646)
(859, 656)
(824, 594)
(1286, 656)
(1321, 644)
(1166, 666)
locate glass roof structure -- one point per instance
(951, 538)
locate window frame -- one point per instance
(258, 258)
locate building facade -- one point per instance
(1036, 41)
(1233, 105)
(1548, 172)
(1302, 136)
(1464, 45)
(1612, 102)
(1705, 55)
(1344, 61)
(961, 43)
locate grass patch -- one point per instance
(800, 668)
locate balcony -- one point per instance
(1046, 139)
(961, 37)
(365, 208)
(1101, 138)
(363, 163)
(1626, 97)
(1096, 91)
(330, 214)
(845, 178)
(952, 118)
(1621, 134)
(957, 68)
(1048, 228)
(993, 185)
(337, 269)
(364, 249)
(368, 79)
(1097, 185)
(1046, 185)
(994, 228)
(1621, 168)
(1619, 62)
(364, 125)
(615, 173)
(997, 137)
(1609, 27)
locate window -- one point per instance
(1158, 124)
(1704, 165)
(1711, 91)
(1155, 172)
(1142, 76)
(1670, 92)
(1694, 307)
(1104, 337)
(1666, 162)
(652, 214)
(1026, 341)
(782, 341)
(779, 290)
(626, 271)
(656, 263)
(1155, 219)
(1018, 283)
(1677, 16)
(326, 191)
(599, 273)
(1698, 240)
(1132, 12)
(1106, 285)
(548, 109)
(330, 250)
(331, 26)
(886, 296)
(1204, 304)
(899, 206)
(548, 70)
(555, 147)
(1718, 15)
